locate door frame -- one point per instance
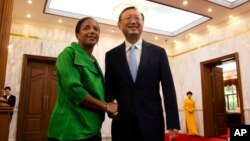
(207, 91)
(26, 59)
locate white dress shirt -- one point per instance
(138, 45)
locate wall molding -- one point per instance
(210, 43)
(172, 56)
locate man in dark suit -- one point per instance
(11, 99)
(137, 89)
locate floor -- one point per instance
(184, 137)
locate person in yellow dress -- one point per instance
(189, 107)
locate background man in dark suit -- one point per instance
(11, 99)
(140, 113)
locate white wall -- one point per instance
(226, 39)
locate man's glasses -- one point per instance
(129, 19)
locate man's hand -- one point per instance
(173, 134)
(112, 110)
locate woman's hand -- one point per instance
(112, 109)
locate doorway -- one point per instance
(37, 97)
(215, 103)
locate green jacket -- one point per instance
(77, 77)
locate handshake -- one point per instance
(112, 109)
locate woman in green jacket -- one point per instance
(80, 108)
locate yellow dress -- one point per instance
(189, 107)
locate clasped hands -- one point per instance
(112, 109)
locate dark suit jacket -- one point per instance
(142, 98)
(11, 101)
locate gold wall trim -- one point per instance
(38, 38)
(175, 55)
(210, 43)
(25, 36)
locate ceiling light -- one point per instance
(119, 6)
(185, 2)
(112, 30)
(170, 25)
(209, 9)
(28, 15)
(156, 38)
(229, 3)
(10, 46)
(210, 28)
(29, 1)
(60, 21)
(193, 37)
(230, 16)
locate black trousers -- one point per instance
(94, 138)
(136, 131)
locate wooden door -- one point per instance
(37, 100)
(218, 99)
(208, 97)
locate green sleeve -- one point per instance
(69, 77)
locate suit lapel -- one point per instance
(99, 70)
(145, 55)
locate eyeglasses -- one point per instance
(129, 19)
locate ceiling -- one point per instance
(219, 14)
(158, 18)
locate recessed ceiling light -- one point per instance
(60, 21)
(230, 16)
(156, 38)
(185, 2)
(210, 28)
(112, 30)
(10, 46)
(28, 15)
(209, 9)
(29, 1)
